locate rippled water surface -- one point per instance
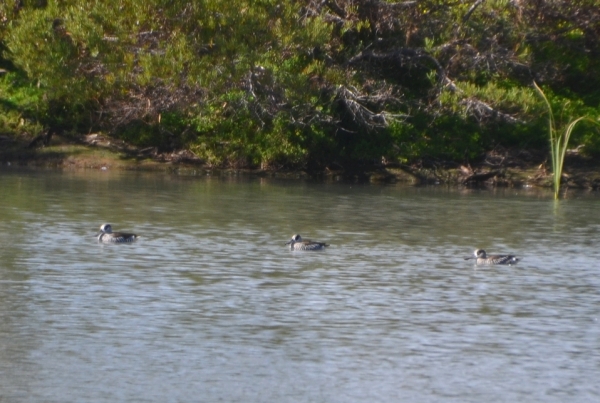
(210, 306)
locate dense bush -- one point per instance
(303, 83)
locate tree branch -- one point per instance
(471, 10)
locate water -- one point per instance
(210, 306)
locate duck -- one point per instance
(482, 259)
(105, 235)
(297, 243)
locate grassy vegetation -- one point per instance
(302, 84)
(559, 142)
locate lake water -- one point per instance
(210, 306)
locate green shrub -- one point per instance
(258, 83)
(22, 107)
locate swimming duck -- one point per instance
(105, 235)
(297, 243)
(482, 259)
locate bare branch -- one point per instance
(479, 108)
(355, 104)
(471, 10)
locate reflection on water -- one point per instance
(209, 305)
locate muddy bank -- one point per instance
(504, 168)
(497, 168)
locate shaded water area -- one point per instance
(209, 305)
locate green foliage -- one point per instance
(22, 106)
(559, 141)
(444, 138)
(301, 84)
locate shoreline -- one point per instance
(504, 168)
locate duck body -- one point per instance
(297, 243)
(482, 259)
(106, 235)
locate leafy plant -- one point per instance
(283, 83)
(559, 141)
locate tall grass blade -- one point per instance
(562, 150)
(558, 142)
(553, 140)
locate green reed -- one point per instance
(559, 140)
